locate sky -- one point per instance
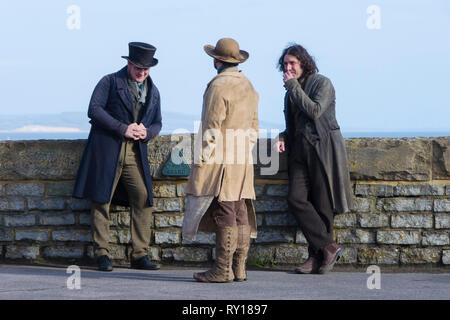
(388, 60)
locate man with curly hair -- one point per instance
(319, 180)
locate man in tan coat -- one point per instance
(220, 187)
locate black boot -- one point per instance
(104, 264)
(144, 264)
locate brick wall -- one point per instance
(401, 218)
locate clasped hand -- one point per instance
(136, 131)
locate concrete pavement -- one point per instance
(51, 283)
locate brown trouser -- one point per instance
(309, 198)
(130, 173)
(230, 213)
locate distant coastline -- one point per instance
(16, 136)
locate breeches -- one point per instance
(131, 175)
(230, 213)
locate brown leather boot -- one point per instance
(311, 265)
(240, 256)
(226, 241)
(331, 253)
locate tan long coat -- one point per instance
(223, 163)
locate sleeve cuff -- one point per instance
(291, 84)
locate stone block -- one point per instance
(202, 238)
(32, 235)
(280, 219)
(40, 160)
(447, 190)
(446, 256)
(72, 235)
(162, 221)
(354, 236)
(361, 205)
(85, 219)
(259, 219)
(377, 190)
(258, 255)
(164, 191)
(389, 159)
(398, 237)
(119, 236)
(19, 220)
(181, 190)
(5, 234)
(349, 256)
(270, 205)
(373, 220)
(300, 237)
(420, 255)
(167, 237)
(442, 205)
(25, 189)
(46, 204)
(119, 219)
(167, 205)
(60, 189)
(442, 221)
(80, 205)
(411, 221)
(403, 190)
(290, 254)
(187, 254)
(56, 219)
(430, 238)
(441, 158)
(12, 204)
(277, 190)
(153, 253)
(63, 252)
(21, 252)
(259, 190)
(404, 205)
(378, 255)
(275, 235)
(345, 220)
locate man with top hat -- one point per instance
(125, 114)
(220, 186)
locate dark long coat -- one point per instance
(320, 127)
(111, 110)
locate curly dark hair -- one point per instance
(306, 61)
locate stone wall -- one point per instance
(401, 218)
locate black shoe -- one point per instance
(104, 264)
(144, 264)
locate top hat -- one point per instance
(141, 54)
(227, 50)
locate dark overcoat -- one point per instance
(318, 102)
(111, 110)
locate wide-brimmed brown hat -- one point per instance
(226, 50)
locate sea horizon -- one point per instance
(81, 135)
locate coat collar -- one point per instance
(125, 94)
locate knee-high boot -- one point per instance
(226, 241)
(240, 256)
